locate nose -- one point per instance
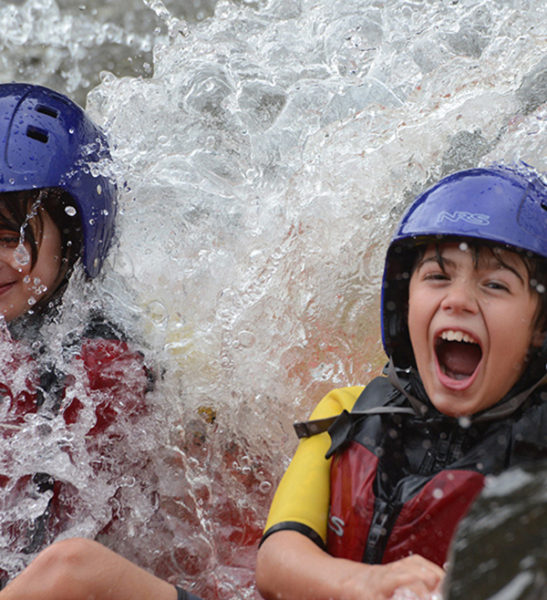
(460, 298)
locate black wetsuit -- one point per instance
(184, 595)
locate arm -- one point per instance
(291, 563)
(303, 493)
(292, 567)
(79, 569)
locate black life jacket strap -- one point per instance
(505, 409)
(393, 377)
(378, 398)
(305, 429)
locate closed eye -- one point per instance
(497, 285)
(437, 276)
(9, 239)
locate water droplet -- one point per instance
(464, 422)
(246, 339)
(265, 487)
(438, 493)
(99, 189)
(70, 211)
(21, 255)
(158, 312)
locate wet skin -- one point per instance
(471, 325)
(22, 285)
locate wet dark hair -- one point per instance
(21, 213)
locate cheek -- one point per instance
(415, 314)
(48, 266)
(43, 278)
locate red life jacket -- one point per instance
(112, 374)
(400, 482)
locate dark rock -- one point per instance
(500, 548)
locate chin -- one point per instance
(452, 407)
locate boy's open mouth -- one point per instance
(458, 354)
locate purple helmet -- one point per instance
(499, 205)
(47, 141)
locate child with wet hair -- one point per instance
(57, 212)
(369, 508)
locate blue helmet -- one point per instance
(498, 205)
(47, 141)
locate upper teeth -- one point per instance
(457, 336)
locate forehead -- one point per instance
(482, 256)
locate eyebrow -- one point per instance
(436, 258)
(503, 265)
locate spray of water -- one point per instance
(262, 164)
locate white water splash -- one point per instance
(263, 164)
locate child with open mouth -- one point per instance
(370, 507)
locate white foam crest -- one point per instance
(262, 168)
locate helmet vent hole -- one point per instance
(46, 110)
(40, 135)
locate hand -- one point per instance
(291, 566)
(411, 578)
(402, 594)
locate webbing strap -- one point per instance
(306, 429)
